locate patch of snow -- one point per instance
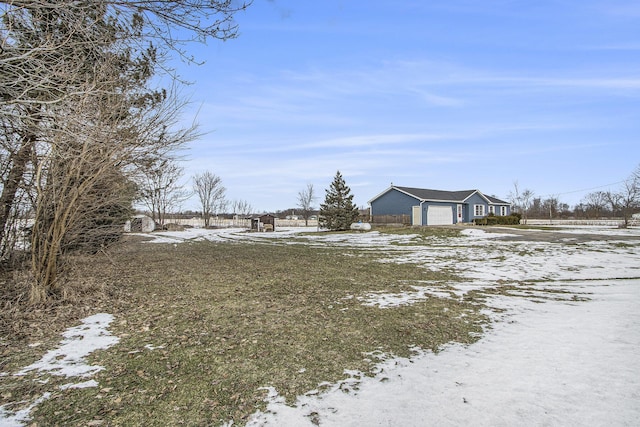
(21, 417)
(67, 360)
(477, 233)
(389, 300)
(80, 341)
(84, 384)
(151, 347)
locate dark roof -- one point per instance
(496, 200)
(441, 195)
(427, 194)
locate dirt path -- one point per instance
(561, 236)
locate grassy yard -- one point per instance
(203, 326)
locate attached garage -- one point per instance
(439, 215)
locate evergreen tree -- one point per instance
(338, 211)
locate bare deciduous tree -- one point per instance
(521, 200)
(78, 115)
(595, 204)
(161, 190)
(39, 63)
(240, 209)
(210, 192)
(627, 200)
(306, 197)
(85, 175)
(551, 208)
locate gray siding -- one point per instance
(476, 199)
(393, 202)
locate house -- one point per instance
(437, 207)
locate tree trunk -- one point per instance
(19, 162)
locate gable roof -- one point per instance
(424, 194)
(428, 194)
(497, 201)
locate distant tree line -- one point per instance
(620, 203)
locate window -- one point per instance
(492, 209)
(478, 210)
(503, 210)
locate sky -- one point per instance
(447, 95)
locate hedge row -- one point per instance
(498, 220)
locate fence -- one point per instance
(406, 220)
(591, 222)
(391, 219)
(238, 223)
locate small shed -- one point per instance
(140, 224)
(266, 222)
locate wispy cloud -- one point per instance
(627, 46)
(525, 84)
(338, 98)
(373, 140)
(568, 82)
(622, 9)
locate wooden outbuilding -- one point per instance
(266, 222)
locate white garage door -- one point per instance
(439, 215)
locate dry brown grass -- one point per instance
(226, 319)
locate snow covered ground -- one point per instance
(569, 358)
(555, 364)
(565, 351)
(67, 360)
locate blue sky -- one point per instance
(449, 95)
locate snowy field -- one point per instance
(563, 350)
(553, 364)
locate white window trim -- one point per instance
(492, 209)
(503, 211)
(475, 210)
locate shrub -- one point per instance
(498, 220)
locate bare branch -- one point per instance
(306, 197)
(210, 191)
